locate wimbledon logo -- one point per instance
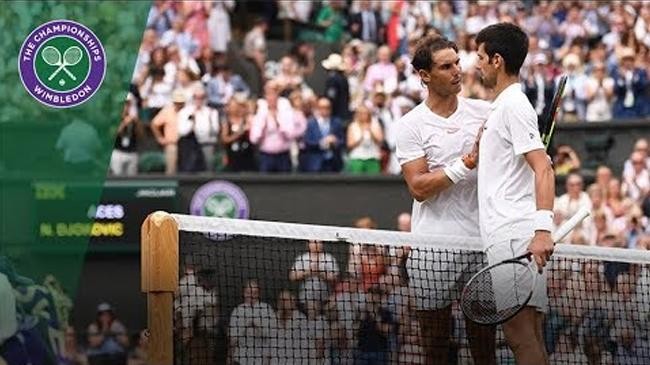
(62, 63)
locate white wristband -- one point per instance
(457, 171)
(544, 220)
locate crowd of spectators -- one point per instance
(361, 308)
(210, 98)
(620, 205)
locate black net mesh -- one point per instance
(260, 300)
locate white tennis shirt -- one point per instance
(422, 133)
(506, 183)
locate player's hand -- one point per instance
(542, 248)
(471, 159)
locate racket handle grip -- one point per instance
(570, 224)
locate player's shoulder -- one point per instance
(516, 103)
(474, 104)
(475, 107)
(411, 120)
(415, 114)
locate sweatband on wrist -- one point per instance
(544, 220)
(457, 171)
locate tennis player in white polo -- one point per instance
(436, 148)
(516, 183)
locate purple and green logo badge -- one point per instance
(220, 199)
(62, 63)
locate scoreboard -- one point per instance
(102, 215)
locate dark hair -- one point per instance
(509, 41)
(422, 59)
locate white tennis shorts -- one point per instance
(437, 276)
(502, 279)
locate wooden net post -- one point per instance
(159, 266)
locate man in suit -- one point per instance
(366, 24)
(630, 82)
(323, 141)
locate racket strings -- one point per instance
(72, 56)
(496, 294)
(51, 56)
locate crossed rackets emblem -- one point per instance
(52, 56)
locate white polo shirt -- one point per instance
(506, 183)
(422, 133)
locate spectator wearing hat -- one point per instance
(107, 338)
(201, 121)
(164, 127)
(573, 103)
(630, 83)
(538, 84)
(337, 89)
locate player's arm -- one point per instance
(542, 244)
(424, 183)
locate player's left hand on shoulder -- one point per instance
(541, 247)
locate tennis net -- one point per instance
(253, 292)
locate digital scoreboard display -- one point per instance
(63, 212)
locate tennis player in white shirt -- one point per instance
(436, 148)
(516, 183)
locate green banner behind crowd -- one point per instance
(65, 73)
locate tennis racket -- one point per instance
(487, 302)
(548, 123)
(71, 57)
